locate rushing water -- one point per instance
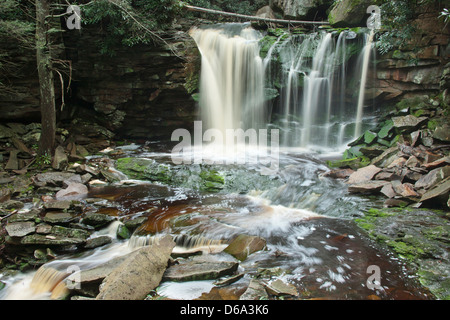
(305, 218)
(315, 73)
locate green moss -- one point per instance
(212, 180)
(406, 250)
(432, 124)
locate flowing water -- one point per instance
(305, 218)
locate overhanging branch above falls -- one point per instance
(252, 18)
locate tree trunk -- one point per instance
(46, 81)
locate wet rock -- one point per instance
(363, 174)
(123, 232)
(244, 245)
(417, 235)
(197, 268)
(97, 219)
(140, 273)
(255, 291)
(280, 288)
(97, 274)
(96, 242)
(383, 159)
(20, 229)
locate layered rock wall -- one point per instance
(140, 92)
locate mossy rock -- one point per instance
(202, 177)
(420, 237)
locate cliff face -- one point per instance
(417, 68)
(140, 92)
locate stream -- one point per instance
(306, 220)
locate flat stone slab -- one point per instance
(140, 273)
(367, 187)
(20, 229)
(363, 174)
(197, 269)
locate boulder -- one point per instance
(140, 273)
(244, 245)
(349, 13)
(301, 9)
(96, 242)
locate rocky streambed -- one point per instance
(77, 226)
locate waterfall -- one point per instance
(314, 73)
(232, 75)
(318, 108)
(365, 66)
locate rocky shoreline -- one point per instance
(405, 161)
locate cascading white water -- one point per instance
(232, 75)
(365, 67)
(314, 112)
(316, 105)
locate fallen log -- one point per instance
(252, 18)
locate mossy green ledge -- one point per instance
(420, 237)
